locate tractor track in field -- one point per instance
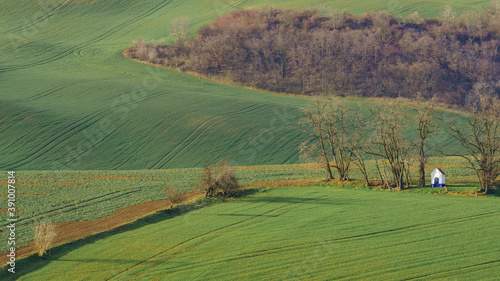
(206, 132)
(20, 138)
(185, 139)
(199, 236)
(92, 41)
(179, 253)
(71, 207)
(208, 233)
(60, 134)
(192, 138)
(215, 124)
(50, 91)
(74, 230)
(64, 136)
(297, 152)
(258, 253)
(137, 152)
(69, 132)
(225, 10)
(454, 269)
(261, 132)
(100, 141)
(211, 122)
(36, 21)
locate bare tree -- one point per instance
(333, 125)
(481, 137)
(415, 18)
(448, 13)
(360, 146)
(180, 28)
(314, 125)
(337, 18)
(339, 130)
(219, 178)
(370, 55)
(208, 179)
(426, 127)
(44, 235)
(391, 145)
(226, 178)
(174, 195)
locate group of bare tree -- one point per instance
(339, 138)
(480, 136)
(309, 52)
(330, 122)
(339, 135)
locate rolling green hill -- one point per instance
(69, 100)
(72, 196)
(294, 234)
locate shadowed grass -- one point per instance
(70, 101)
(303, 233)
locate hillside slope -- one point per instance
(69, 100)
(294, 234)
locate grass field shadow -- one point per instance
(33, 262)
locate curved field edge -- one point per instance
(70, 101)
(72, 196)
(68, 196)
(312, 233)
(86, 202)
(62, 196)
(70, 231)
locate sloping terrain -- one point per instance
(69, 100)
(305, 233)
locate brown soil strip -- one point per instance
(292, 167)
(283, 183)
(103, 177)
(71, 231)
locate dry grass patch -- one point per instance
(44, 235)
(174, 195)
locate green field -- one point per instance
(70, 101)
(90, 195)
(65, 196)
(307, 233)
(90, 132)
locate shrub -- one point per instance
(44, 235)
(174, 195)
(180, 28)
(219, 178)
(415, 18)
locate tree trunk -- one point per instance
(327, 162)
(421, 167)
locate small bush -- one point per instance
(219, 178)
(174, 195)
(44, 235)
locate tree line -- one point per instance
(311, 52)
(338, 139)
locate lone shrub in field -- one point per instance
(180, 28)
(44, 235)
(219, 178)
(174, 195)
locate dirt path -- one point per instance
(74, 230)
(71, 231)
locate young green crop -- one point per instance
(89, 195)
(70, 101)
(313, 233)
